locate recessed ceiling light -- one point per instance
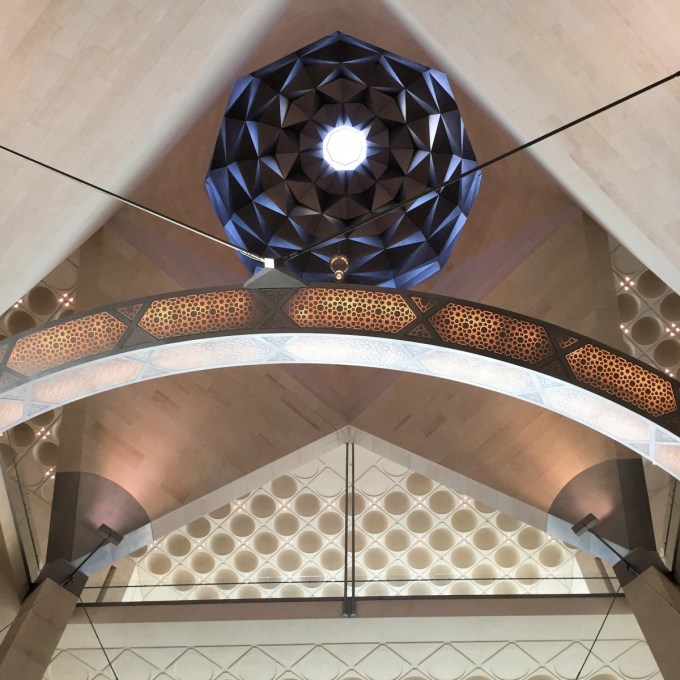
(344, 148)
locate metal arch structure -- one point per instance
(495, 349)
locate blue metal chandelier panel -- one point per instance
(276, 190)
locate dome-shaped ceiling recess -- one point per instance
(275, 191)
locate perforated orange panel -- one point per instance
(66, 342)
(493, 332)
(347, 308)
(623, 379)
(226, 310)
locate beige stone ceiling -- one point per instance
(102, 90)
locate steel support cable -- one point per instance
(345, 605)
(599, 632)
(353, 610)
(133, 204)
(361, 223)
(101, 645)
(61, 585)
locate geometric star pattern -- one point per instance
(275, 193)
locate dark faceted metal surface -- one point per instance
(274, 192)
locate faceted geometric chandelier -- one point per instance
(327, 136)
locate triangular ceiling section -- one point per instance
(413, 536)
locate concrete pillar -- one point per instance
(30, 642)
(655, 601)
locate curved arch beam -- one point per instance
(129, 342)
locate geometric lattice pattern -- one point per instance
(356, 309)
(649, 312)
(433, 658)
(65, 342)
(274, 192)
(493, 332)
(423, 304)
(622, 378)
(202, 313)
(131, 311)
(565, 342)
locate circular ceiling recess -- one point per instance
(327, 136)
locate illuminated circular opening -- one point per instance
(344, 148)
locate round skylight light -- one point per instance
(344, 148)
